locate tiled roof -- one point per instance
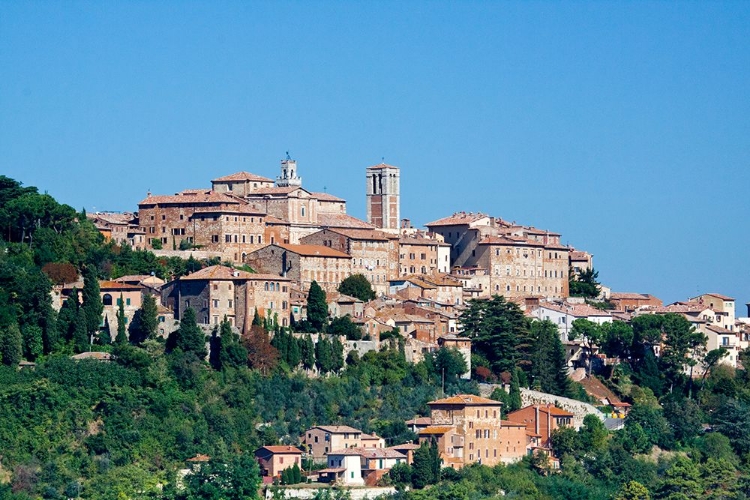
(242, 176)
(370, 437)
(361, 234)
(114, 285)
(281, 449)
(578, 255)
(189, 196)
(313, 250)
(264, 277)
(578, 310)
(458, 218)
(275, 190)
(718, 296)
(412, 240)
(465, 399)
(508, 423)
(327, 197)
(628, 296)
(405, 446)
(338, 429)
(219, 273)
(435, 429)
(342, 221)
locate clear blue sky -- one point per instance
(625, 126)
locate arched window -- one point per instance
(107, 299)
(265, 286)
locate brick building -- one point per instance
(122, 228)
(383, 197)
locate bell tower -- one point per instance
(288, 175)
(383, 198)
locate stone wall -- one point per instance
(528, 397)
(307, 493)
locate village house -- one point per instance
(340, 305)
(469, 429)
(629, 302)
(122, 228)
(322, 439)
(360, 466)
(374, 253)
(562, 314)
(274, 459)
(423, 253)
(541, 421)
(217, 292)
(303, 264)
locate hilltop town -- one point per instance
(420, 353)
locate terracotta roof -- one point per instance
(465, 399)
(577, 310)
(264, 277)
(218, 273)
(275, 191)
(508, 423)
(458, 218)
(342, 221)
(332, 470)
(552, 410)
(100, 356)
(434, 429)
(281, 449)
(327, 197)
(381, 166)
(380, 453)
(114, 285)
(412, 240)
(628, 296)
(361, 234)
(313, 250)
(199, 458)
(338, 429)
(270, 219)
(242, 176)
(370, 437)
(718, 296)
(579, 255)
(405, 446)
(189, 196)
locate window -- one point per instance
(127, 302)
(107, 300)
(216, 302)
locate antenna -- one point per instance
(325, 189)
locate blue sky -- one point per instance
(625, 126)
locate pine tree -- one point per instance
(11, 345)
(92, 301)
(317, 307)
(122, 337)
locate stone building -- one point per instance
(122, 228)
(240, 184)
(421, 254)
(518, 261)
(469, 429)
(374, 253)
(383, 198)
(542, 420)
(219, 291)
(303, 264)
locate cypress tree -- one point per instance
(104, 337)
(11, 345)
(323, 354)
(80, 333)
(337, 354)
(68, 315)
(232, 352)
(514, 399)
(188, 337)
(317, 307)
(145, 321)
(294, 354)
(308, 352)
(92, 301)
(122, 337)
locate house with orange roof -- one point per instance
(303, 264)
(469, 429)
(274, 459)
(423, 253)
(541, 420)
(240, 184)
(629, 302)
